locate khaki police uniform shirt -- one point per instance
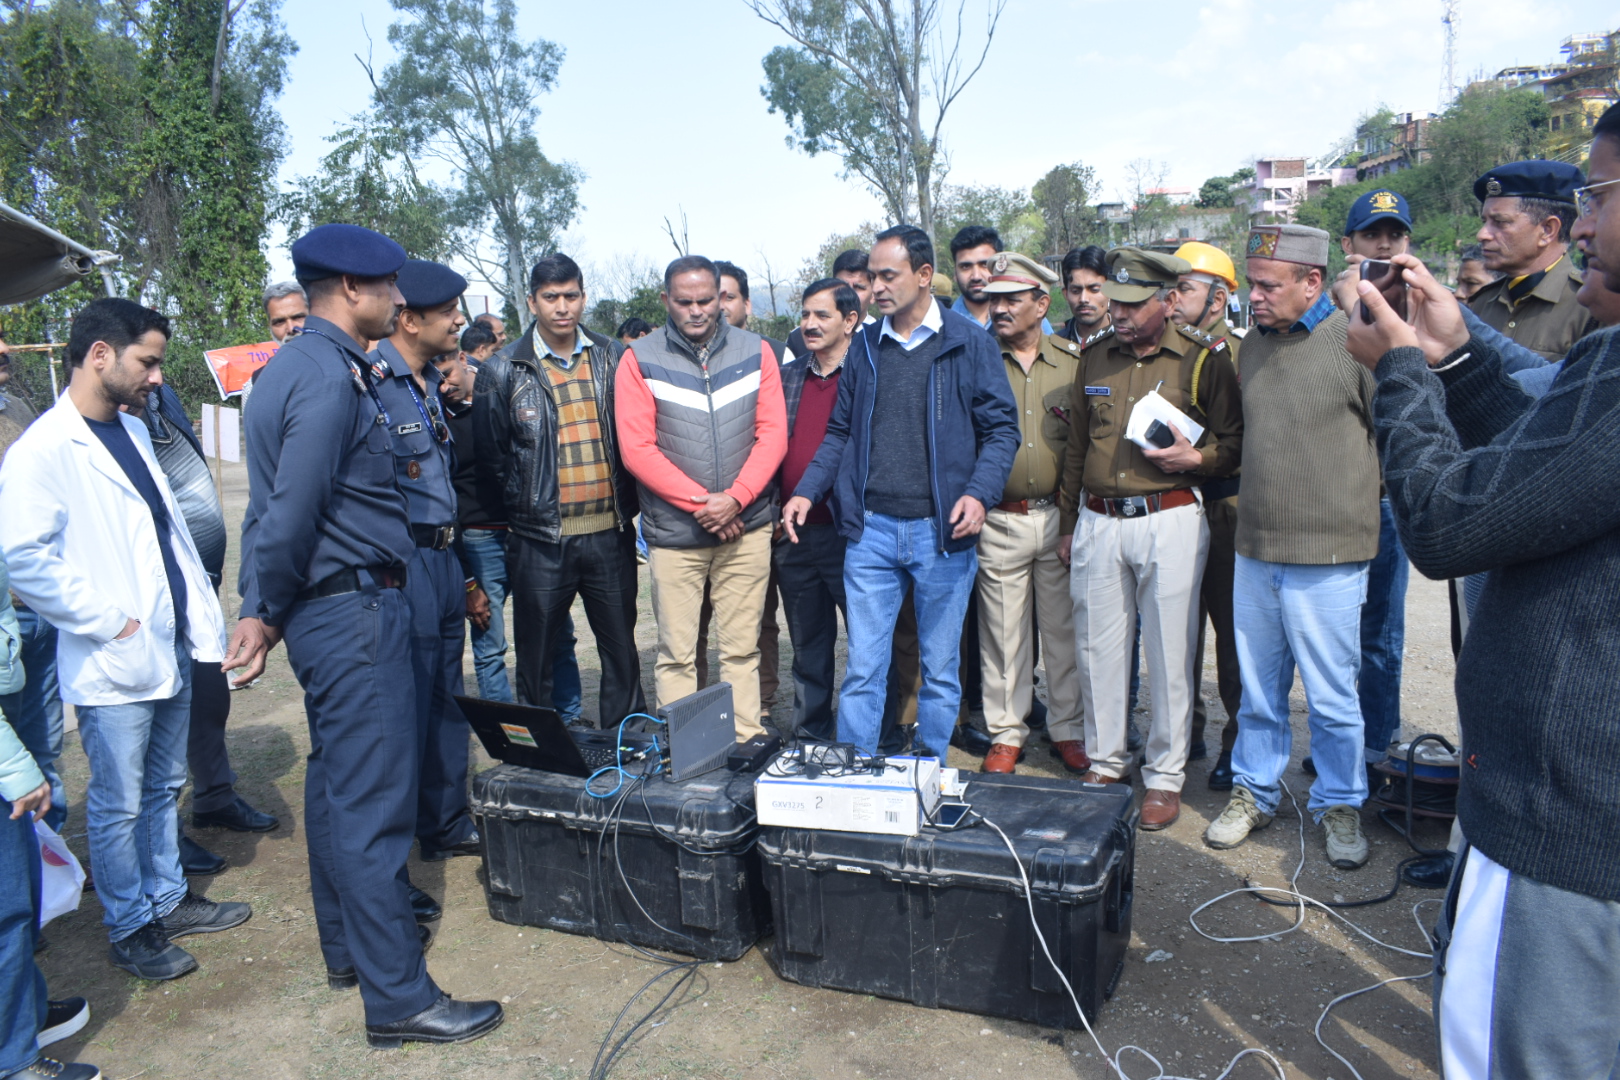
(1548, 320)
(1102, 463)
(1042, 394)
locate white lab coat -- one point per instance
(82, 550)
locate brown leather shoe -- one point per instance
(1160, 810)
(1095, 777)
(1073, 753)
(1002, 758)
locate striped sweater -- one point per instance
(1310, 469)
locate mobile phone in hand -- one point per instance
(1160, 435)
(1386, 278)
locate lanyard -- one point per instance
(440, 430)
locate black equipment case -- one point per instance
(557, 857)
(940, 920)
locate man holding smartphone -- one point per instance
(1378, 227)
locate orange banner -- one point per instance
(233, 367)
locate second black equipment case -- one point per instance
(940, 920)
(556, 857)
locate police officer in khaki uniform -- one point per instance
(1139, 537)
(1200, 313)
(1022, 581)
(1528, 209)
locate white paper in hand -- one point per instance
(1153, 407)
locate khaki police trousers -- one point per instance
(736, 574)
(1121, 570)
(1022, 582)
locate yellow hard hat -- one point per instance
(1209, 259)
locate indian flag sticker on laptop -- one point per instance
(518, 736)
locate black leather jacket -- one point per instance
(515, 435)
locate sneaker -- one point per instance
(45, 1068)
(199, 915)
(1240, 818)
(1346, 847)
(149, 954)
(62, 1019)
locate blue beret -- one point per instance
(1551, 180)
(1375, 206)
(327, 251)
(428, 284)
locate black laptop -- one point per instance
(537, 738)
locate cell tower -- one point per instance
(1451, 16)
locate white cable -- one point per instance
(1029, 899)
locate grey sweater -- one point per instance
(1310, 470)
(1483, 477)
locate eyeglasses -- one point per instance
(1585, 202)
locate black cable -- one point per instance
(1406, 834)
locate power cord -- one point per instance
(618, 760)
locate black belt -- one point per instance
(1223, 488)
(348, 581)
(437, 537)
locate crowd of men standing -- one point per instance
(962, 484)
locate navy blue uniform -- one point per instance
(424, 465)
(325, 535)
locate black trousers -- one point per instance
(213, 781)
(599, 568)
(811, 577)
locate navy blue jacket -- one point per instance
(973, 429)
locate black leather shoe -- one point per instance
(1036, 720)
(468, 846)
(1220, 777)
(1133, 737)
(198, 861)
(237, 817)
(424, 907)
(445, 1021)
(970, 739)
(346, 979)
(1198, 751)
(1432, 873)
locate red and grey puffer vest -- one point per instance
(705, 425)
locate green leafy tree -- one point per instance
(149, 131)
(1007, 210)
(465, 91)
(873, 81)
(368, 179)
(1216, 192)
(1063, 199)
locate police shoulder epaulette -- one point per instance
(1088, 342)
(1067, 344)
(1209, 341)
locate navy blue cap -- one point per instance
(428, 284)
(1376, 206)
(329, 250)
(1551, 180)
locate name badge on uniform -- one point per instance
(525, 415)
(409, 429)
(1098, 391)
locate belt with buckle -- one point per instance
(437, 537)
(1024, 506)
(1140, 505)
(348, 581)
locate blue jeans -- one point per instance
(1286, 614)
(22, 986)
(1383, 639)
(137, 758)
(486, 557)
(35, 711)
(891, 554)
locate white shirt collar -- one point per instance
(933, 322)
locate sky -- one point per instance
(659, 103)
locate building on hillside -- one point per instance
(1581, 94)
(1280, 184)
(1401, 145)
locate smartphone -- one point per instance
(950, 814)
(1160, 435)
(1386, 278)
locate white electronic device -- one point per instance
(894, 798)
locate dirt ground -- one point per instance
(259, 1006)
